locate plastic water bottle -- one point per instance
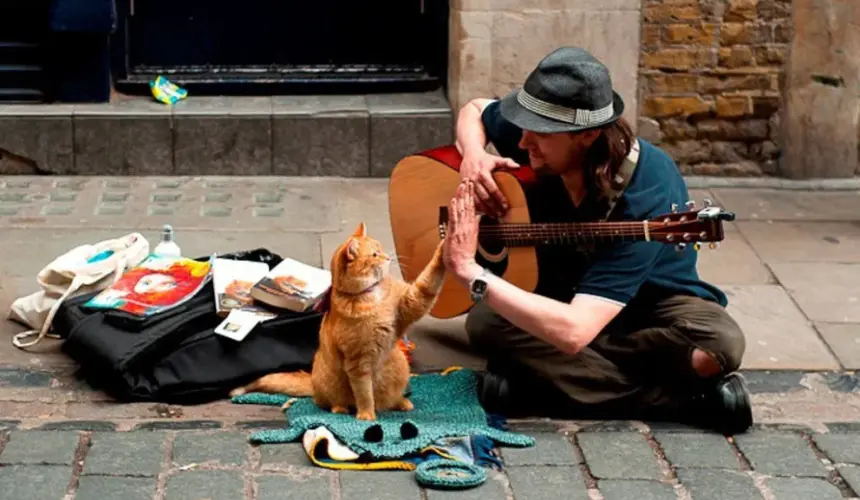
(167, 247)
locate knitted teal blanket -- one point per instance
(446, 405)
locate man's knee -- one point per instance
(729, 345)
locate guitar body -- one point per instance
(422, 183)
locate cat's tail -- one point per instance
(296, 384)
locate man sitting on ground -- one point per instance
(622, 329)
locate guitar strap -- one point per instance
(625, 173)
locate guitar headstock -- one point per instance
(691, 225)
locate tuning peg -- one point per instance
(674, 208)
(680, 247)
(708, 202)
(713, 245)
(697, 246)
(690, 204)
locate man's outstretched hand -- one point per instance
(461, 236)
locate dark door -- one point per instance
(23, 36)
(268, 46)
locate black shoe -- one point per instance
(520, 397)
(725, 406)
(493, 393)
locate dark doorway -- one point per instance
(271, 47)
(23, 37)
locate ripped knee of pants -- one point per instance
(721, 357)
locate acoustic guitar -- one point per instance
(421, 187)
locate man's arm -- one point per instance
(569, 327)
(470, 128)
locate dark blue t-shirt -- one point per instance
(617, 271)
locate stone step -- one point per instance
(332, 135)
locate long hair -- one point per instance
(604, 157)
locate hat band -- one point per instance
(579, 117)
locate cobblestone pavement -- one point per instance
(617, 460)
(790, 264)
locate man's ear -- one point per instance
(589, 136)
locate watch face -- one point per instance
(479, 287)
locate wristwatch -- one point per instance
(478, 286)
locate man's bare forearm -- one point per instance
(545, 318)
(470, 128)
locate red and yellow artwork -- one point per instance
(157, 284)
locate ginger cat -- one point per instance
(358, 363)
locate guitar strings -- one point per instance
(513, 232)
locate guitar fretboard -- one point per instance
(528, 234)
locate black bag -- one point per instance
(176, 356)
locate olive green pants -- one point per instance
(640, 362)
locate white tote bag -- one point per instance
(83, 269)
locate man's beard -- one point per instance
(543, 170)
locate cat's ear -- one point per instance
(361, 230)
(351, 250)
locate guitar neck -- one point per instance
(531, 234)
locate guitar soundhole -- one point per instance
(492, 253)
(486, 239)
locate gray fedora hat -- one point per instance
(569, 90)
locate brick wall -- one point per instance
(710, 79)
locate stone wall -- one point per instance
(494, 44)
(711, 73)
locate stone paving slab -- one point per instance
(840, 448)
(621, 489)
(780, 454)
(616, 455)
(550, 449)
(806, 283)
(547, 482)
(851, 475)
(35, 481)
(717, 484)
(378, 485)
(104, 487)
(239, 204)
(125, 454)
(40, 448)
(768, 317)
(230, 448)
(209, 484)
(280, 487)
(802, 488)
(799, 241)
(734, 262)
(844, 340)
(789, 205)
(685, 450)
